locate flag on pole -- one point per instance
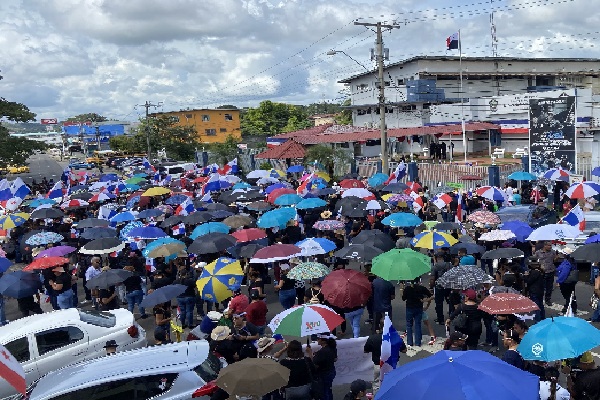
(18, 188)
(399, 173)
(147, 165)
(179, 229)
(391, 344)
(230, 168)
(575, 217)
(452, 41)
(185, 208)
(56, 191)
(569, 312)
(458, 216)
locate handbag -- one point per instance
(315, 298)
(459, 323)
(573, 276)
(594, 301)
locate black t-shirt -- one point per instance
(248, 330)
(324, 359)
(413, 295)
(373, 346)
(133, 283)
(63, 279)
(254, 285)
(587, 385)
(287, 283)
(299, 370)
(165, 312)
(105, 294)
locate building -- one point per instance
(212, 125)
(323, 119)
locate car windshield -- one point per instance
(592, 226)
(209, 369)
(97, 318)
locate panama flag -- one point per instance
(18, 188)
(399, 173)
(452, 41)
(56, 191)
(12, 371)
(147, 164)
(185, 208)
(206, 197)
(230, 168)
(212, 184)
(106, 213)
(179, 229)
(391, 344)
(575, 217)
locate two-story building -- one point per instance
(212, 125)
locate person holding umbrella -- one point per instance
(61, 284)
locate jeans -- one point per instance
(491, 331)
(186, 309)
(326, 382)
(287, 298)
(596, 315)
(541, 313)
(65, 299)
(200, 306)
(135, 297)
(297, 392)
(414, 316)
(548, 286)
(439, 297)
(354, 318)
(2, 312)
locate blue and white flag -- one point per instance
(390, 348)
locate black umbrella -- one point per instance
(325, 192)
(360, 252)
(357, 212)
(249, 250)
(221, 214)
(108, 278)
(241, 196)
(446, 226)
(215, 207)
(198, 217)
(466, 239)
(47, 213)
(92, 223)
(150, 213)
(503, 252)
(237, 221)
(587, 252)
(471, 248)
(503, 289)
(20, 284)
(259, 206)
(375, 238)
(102, 246)
(349, 202)
(99, 233)
(214, 242)
(162, 295)
(81, 196)
(397, 187)
(171, 221)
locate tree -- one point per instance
(344, 117)
(227, 107)
(328, 156)
(271, 118)
(93, 117)
(222, 153)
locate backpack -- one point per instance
(315, 298)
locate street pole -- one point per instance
(147, 105)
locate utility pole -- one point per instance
(148, 105)
(381, 99)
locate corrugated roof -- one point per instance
(289, 149)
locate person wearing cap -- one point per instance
(567, 277)
(474, 315)
(584, 384)
(243, 331)
(324, 360)
(111, 347)
(456, 342)
(61, 284)
(256, 312)
(286, 288)
(511, 341)
(358, 390)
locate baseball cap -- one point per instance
(470, 294)
(359, 385)
(467, 260)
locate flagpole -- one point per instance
(462, 111)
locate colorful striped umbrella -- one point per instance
(13, 220)
(328, 225)
(305, 320)
(583, 190)
(491, 193)
(219, 279)
(556, 174)
(433, 240)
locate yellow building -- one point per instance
(212, 126)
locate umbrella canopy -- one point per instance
(162, 295)
(279, 192)
(463, 277)
(146, 232)
(150, 213)
(504, 252)
(109, 278)
(360, 252)
(98, 233)
(287, 200)
(260, 206)
(305, 320)
(459, 375)
(102, 246)
(209, 227)
(163, 247)
(346, 288)
(375, 238)
(219, 279)
(351, 183)
(43, 238)
(171, 221)
(358, 192)
(401, 220)
(47, 213)
(507, 303)
(198, 217)
(309, 203)
(521, 229)
(401, 265)
(377, 179)
(308, 270)
(253, 377)
(248, 235)
(249, 250)
(314, 246)
(328, 225)
(124, 216)
(130, 226)
(555, 174)
(74, 203)
(56, 251)
(275, 186)
(5, 264)
(20, 284)
(295, 169)
(257, 174)
(588, 252)
(38, 202)
(377, 205)
(156, 191)
(471, 248)
(491, 193)
(554, 232)
(238, 221)
(582, 190)
(592, 239)
(276, 218)
(503, 289)
(46, 262)
(276, 252)
(558, 338)
(176, 199)
(497, 235)
(522, 176)
(100, 197)
(484, 217)
(92, 223)
(212, 243)
(13, 220)
(446, 226)
(433, 240)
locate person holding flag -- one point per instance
(399, 173)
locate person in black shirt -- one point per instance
(324, 360)
(61, 285)
(414, 295)
(586, 383)
(133, 291)
(301, 369)
(186, 300)
(534, 278)
(108, 299)
(373, 346)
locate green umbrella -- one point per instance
(135, 180)
(401, 265)
(430, 224)
(455, 185)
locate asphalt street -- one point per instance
(41, 165)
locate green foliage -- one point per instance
(327, 156)
(222, 153)
(345, 116)
(265, 165)
(87, 117)
(227, 107)
(271, 118)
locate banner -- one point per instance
(552, 134)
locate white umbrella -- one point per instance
(358, 192)
(554, 232)
(259, 173)
(497, 234)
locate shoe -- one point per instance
(432, 341)
(84, 302)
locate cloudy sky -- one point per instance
(66, 57)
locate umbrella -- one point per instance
(305, 320)
(504, 252)
(276, 218)
(5, 264)
(351, 183)
(275, 186)
(360, 252)
(209, 227)
(249, 250)
(257, 174)
(78, 198)
(308, 270)
(497, 235)
(359, 192)
(401, 220)
(466, 239)
(99, 197)
(433, 240)
(325, 192)
(108, 178)
(596, 171)
(163, 247)
(359, 211)
(124, 232)
(287, 200)
(554, 232)
(124, 216)
(377, 179)
(459, 375)
(592, 239)
(555, 174)
(401, 265)
(588, 252)
(98, 233)
(377, 205)
(267, 181)
(146, 232)
(43, 238)
(156, 191)
(57, 251)
(503, 289)
(176, 199)
(277, 173)
(260, 206)
(20, 284)
(507, 303)
(150, 213)
(74, 203)
(463, 277)
(38, 202)
(375, 238)
(521, 229)
(212, 243)
(396, 187)
(102, 246)
(314, 246)
(491, 193)
(135, 180)
(328, 225)
(171, 221)
(220, 214)
(47, 213)
(13, 220)
(219, 279)
(484, 217)
(238, 221)
(92, 223)
(471, 248)
(446, 226)
(165, 208)
(582, 190)
(46, 262)
(558, 338)
(349, 203)
(198, 217)
(248, 235)
(276, 252)
(309, 203)
(522, 176)
(162, 295)
(216, 207)
(109, 278)
(253, 377)
(346, 288)
(296, 169)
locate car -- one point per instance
(535, 216)
(76, 163)
(49, 341)
(168, 372)
(18, 169)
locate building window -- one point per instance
(400, 82)
(189, 116)
(210, 132)
(408, 108)
(362, 87)
(223, 130)
(228, 117)
(205, 117)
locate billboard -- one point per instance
(49, 121)
(552, 134)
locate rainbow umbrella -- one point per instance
(219, 279)
(305, 320)
(433, 240)
(13, 220)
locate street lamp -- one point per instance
(334, 52)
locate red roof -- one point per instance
(289, 149)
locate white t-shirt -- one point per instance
(561, 392)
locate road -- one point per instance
(40, 165)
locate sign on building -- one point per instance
(49, 121)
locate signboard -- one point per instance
(49, 121)
(552, 134)
(76, 123)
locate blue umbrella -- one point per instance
(150, 213)
(130, 187)
(377, 179)
(459, 375)
(146, 232)
(20, 284)
(269, 189)
(593, 239)
(220, 214)
(596, 171)
(124, 233)
(177, 199)
(295, 169)
(44, 238)
(162, 295)
(124, 216)
(522, 176)
(140, 175)
(276, 218)
(5, 264)
(521, 229)
(558, 338)
(209, 227)
(398, 220)
(132, 201)
(109, 178)
(38, 202)
(241, 185)
(308, 203)
(287, 200)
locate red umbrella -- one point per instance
(46, 262)
(346, 288)
(278, 192)
(507, 303)
(248, 235)
(276, 252)
(351, 183)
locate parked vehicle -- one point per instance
(46, 342)
(168, 372)
(535, 216)
(76, 163)
(18, 169)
